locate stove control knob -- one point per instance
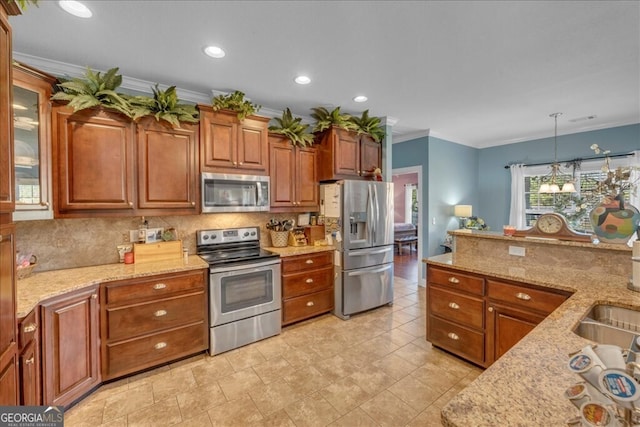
(246, 233)
(213, 236)
(253, 233)
(205, 237)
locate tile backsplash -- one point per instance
(69, 243)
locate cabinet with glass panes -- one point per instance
(32, 142)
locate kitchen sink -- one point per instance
(609, 324)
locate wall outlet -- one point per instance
(516, 250)
(126, 238)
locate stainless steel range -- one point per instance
(244, 287)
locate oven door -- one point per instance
(242, 291)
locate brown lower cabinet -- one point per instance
(153, 320)
(29, 339)
(478, 317)
(307, 286)
(70, 350)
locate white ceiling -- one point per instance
(479, 73)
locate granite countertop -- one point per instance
(44, 285)
(298, 250)
(525, 386)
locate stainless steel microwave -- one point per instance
(234, 193)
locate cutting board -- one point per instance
(159, 251)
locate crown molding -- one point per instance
(388, 121)
(409, 136)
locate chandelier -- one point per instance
(549, 182)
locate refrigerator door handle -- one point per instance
(358, 253)
(360, 273)
(376, 205)
(371, 220)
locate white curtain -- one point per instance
(517, 214)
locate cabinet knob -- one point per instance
(159, 286)
(29, 361)
(94, 296)
(454, 306)
(193, 203)
(309, 261)
(130, 203)
(160, 345)
(234, 163)
(310, 304)
(453, 336)
(454, 280)
(160, 313)
(240, 163)
(523, 296)
(490, 309)
(309, 281)
(31, 327)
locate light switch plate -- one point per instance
(516, 250)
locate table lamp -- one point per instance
(463, 212)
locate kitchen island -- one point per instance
(525, 387)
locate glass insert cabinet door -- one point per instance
(32, 142)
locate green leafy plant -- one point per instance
(292, 128)
(22, 4)
(235, 102)
(163, 106)
(325, 119)
(369, 126)
(96, 89)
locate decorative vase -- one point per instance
(614, 221)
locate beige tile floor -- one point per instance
(375, 369)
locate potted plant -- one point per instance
(164, 105)
(95, 90)
(325, 119)
(369, 126)
(235, 102)
(292, 128)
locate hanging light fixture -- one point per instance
(551, 186)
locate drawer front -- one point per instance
(463, 309)
(27, 329)
(155, 287)
(306, 262)
(131, 321)
(134, 355)
(306, 306)
(521, 296)
(304, 283)
(457, 339)
(456, 280)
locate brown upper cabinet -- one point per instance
(93, 162)
(167, 167)
(346, 155)
(7, 200)
(32, 142)
(229, 145)
(106, 165)
(294, 176)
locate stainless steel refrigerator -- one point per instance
(359, 217)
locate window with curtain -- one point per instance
(574, 206)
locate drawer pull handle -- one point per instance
(310, 304)
(309, 280)
(454, 306)
(309, 261)
(29, 361)
(158, 286)
(31, 327)
(454, 280)
(160, 313)
(160, 345)
(523, 296)
(453, 336)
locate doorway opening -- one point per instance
(407, 183)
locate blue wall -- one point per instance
(449, 173)
(494, 181)
(457, 174)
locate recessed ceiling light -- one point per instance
(75, 8)
(19, 107)
(302, 80)
(360, 98)
(214, 51)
